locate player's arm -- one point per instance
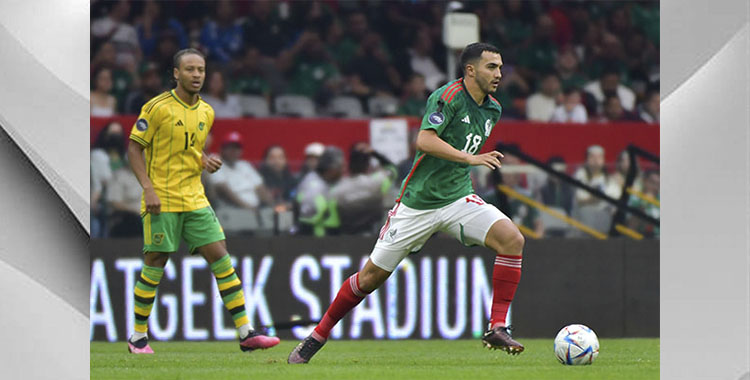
(430, 143)
(138, 165)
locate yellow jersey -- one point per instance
(173, 135)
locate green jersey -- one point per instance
(465, 125)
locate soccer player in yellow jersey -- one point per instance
(171, 130)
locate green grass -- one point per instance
(387, 360)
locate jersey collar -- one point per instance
(177, 98)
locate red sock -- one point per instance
(347, 298)
(505, 278)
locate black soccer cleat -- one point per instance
(305, 350)
(500, 338)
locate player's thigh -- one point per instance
(162, 232)
(201, 228)
(470, 220)
(406, 230)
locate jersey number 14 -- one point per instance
(191, 139)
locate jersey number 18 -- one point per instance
(474, 142)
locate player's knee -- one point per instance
(515, 244)
(512, 245)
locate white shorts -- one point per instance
(406, 230)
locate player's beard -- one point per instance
(485, 85)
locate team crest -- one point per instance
(200, 125)
(158, 238)
(436, 118)
(487, 127)
(141, 125)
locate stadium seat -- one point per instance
(345, 106)
(236, 221)
(294, 105)
(382, 105)
(554, 227)
(595, 217)
(254, 105)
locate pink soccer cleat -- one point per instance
(140, 347)
(255, 340)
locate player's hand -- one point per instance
(153, 204)
(212, 163)
(490, 159)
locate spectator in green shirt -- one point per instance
(414, 98)
(309, 68)
(248, 78)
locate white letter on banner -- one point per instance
(191, 298)
(305, 263)
(446, 330)
(220, 330)
(368, 310)
(426, 279)
(100, 290)
(481, 297)
(255, 296)
(169, 300)
(410, 316)
(336, 264)
(130, 268)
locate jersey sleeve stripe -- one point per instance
(454, 94)
(406, 183)
(450, 88)
(139, 141)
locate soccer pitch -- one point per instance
(369, 359)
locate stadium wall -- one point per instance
(443, 292)
(540, 140)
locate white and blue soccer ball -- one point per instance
(576, 345)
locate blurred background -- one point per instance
(289, 78)
(318, 104)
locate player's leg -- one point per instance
(474, 222)
(160, 236)
(506, 241)
(351, 293)
(405, 230)
(205, 236)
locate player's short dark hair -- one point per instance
(472, 52)
(178, 56)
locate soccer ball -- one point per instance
(576, 345)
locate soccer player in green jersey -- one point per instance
(437, 195)
(171, 130)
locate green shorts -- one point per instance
(162, 233)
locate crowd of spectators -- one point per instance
(564, 61)
(568, 62)
(337, 192)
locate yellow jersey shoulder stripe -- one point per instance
(155, 100)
